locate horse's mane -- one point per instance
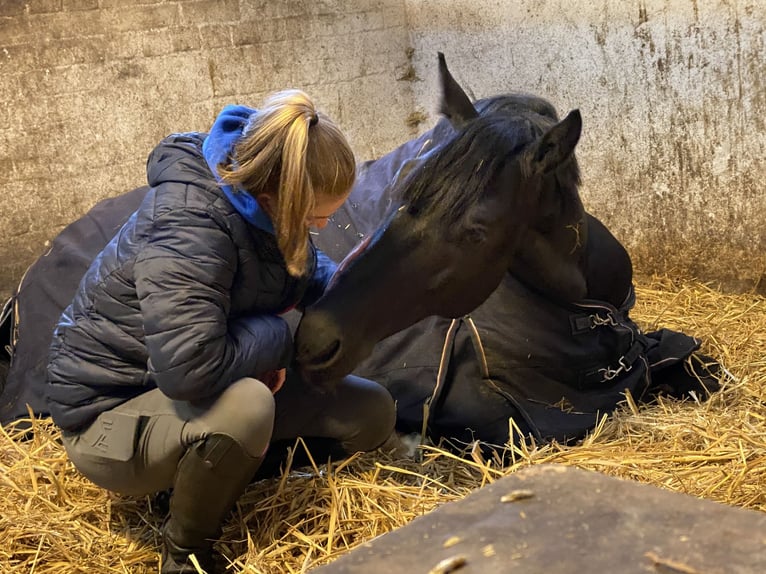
(517, 104)
(457, 172)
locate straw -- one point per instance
(54, 520)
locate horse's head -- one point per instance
(463, 212)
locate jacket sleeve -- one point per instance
(325, 268)
(183, 279)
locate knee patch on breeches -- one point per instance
(243, 412)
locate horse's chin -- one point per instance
(332, 364)
(325, 373)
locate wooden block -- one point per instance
(552, 519)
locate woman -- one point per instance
(163, 369)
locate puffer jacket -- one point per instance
(186, 297)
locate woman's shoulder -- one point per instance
(202, 206)
(178, 159)
(200, 214)
(181, 179)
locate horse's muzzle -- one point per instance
(320, 349)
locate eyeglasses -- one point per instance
(312, 219)
(318, 220)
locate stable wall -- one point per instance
(671, 92)
(88, 87)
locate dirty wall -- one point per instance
(671, 91)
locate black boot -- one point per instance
(210, 478)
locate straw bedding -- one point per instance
(53, 520)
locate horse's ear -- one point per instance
(455, 105)
(556, 145)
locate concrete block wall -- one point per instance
(88, 87)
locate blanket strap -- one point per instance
(10, 312)
(7, 316)
(479, 349)
(441, 376)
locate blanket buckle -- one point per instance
(599, 321)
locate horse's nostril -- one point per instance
(326, 355)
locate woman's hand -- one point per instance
(274, 379)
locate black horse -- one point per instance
(478, 220)
(485, 226)
(507, 174)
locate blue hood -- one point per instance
(217, 149)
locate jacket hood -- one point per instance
(193, 158)
(178, 159)
(217, 149)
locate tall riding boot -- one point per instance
(210, 478)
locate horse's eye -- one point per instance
(474, 234)
(414, 210)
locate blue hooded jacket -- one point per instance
(217, 149)
(186, 296)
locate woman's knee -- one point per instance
(245, 412)
(374, 412)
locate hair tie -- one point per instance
(314, 119)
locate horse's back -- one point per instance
(46, 289)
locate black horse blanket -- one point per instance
(551, 368)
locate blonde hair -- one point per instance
(293, 153)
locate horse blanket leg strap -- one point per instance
(9, 333)
(479, 348)
(441, 376)
(8, 315)
(11, 313)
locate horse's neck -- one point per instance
(546, 268)
(609, 270)
(578, 261)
